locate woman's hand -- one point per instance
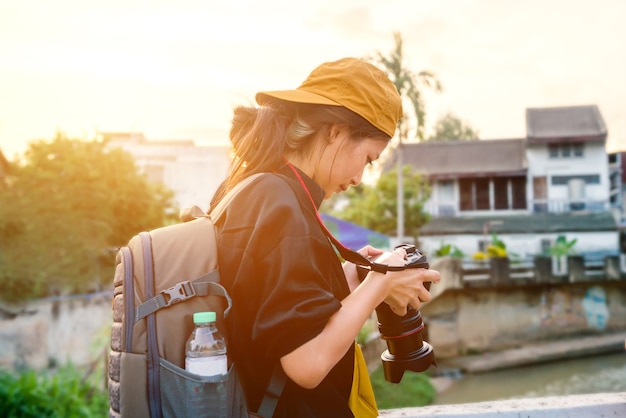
(406, 287)
(349, 269)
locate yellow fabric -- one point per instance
(362, 401)
(352, 83)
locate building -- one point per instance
(559, 180)
(192, 172)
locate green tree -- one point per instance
(66, 202)
(451, 128)
(374, 207)
(409, 85)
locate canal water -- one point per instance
(598, 374)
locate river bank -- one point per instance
(538, 352)
(450, 371)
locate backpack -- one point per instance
(161, 278)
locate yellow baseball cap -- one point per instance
(352, 83)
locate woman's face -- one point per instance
(343, 160)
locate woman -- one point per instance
(294, 303)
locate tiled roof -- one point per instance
(522, 224)
(450, 159)
(565, 123)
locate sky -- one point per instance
(176, 69)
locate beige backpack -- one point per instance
(161, 278)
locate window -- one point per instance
(482, 194)
(508, 193)
(564, 180)
(446, 190)
(518, 192)
(501, 193)
(466, 188)
(578, 150)
(553, 150)
(565, 150)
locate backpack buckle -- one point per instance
(177, 293)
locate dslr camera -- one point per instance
(406, 348)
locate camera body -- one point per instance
(413, 256)
(406, 348)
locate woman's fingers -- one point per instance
(398, 310)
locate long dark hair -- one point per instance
(261, 136)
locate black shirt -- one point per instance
(286, 281)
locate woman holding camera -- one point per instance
(294, 304)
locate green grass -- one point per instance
(66, 393)
(415, 389)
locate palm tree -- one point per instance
(409, 85)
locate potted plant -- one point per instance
(497, 256)
(449, 250)
(560, 251)
(552, 264)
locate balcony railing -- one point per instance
(542, 270)
(568, 205)
(448, 208)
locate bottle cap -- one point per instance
(201, 317)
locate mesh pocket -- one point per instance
(184, 394)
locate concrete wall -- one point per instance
(459, 321)
(77, 329)
(54, 331)
(462, 320)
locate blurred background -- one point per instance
(114, 115)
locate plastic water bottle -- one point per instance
(206, 347)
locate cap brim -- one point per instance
(296, 96)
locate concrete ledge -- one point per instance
(573, 406)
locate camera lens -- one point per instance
(406, 348)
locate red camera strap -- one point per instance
(347, 253)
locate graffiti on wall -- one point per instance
(595, 307)
(574, 307)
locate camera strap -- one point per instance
(345, 252)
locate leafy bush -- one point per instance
(415, 389)
(63, 394)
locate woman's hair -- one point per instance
(262, 136)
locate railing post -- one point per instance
(576, 268)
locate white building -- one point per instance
(559, 180)
(192, 172)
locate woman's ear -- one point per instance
(333, 133)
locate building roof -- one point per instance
(452, 159)
(522, 224)
(568, 123)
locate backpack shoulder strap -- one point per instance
(205, 285)
(273, 392)
(217, 212)
(195, 212)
